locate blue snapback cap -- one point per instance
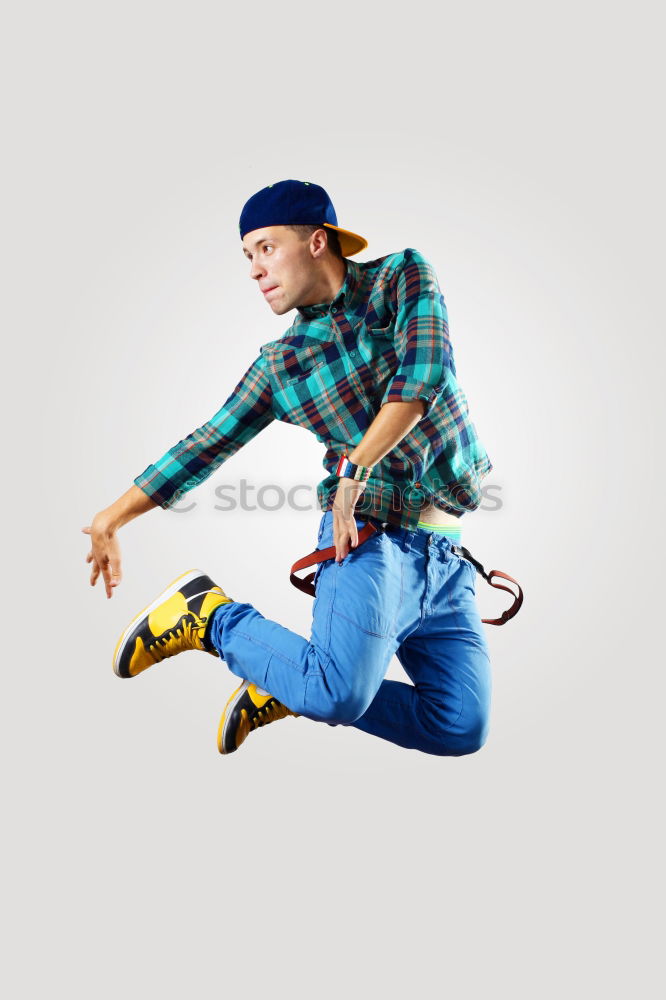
(296, 203)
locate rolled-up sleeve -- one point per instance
(421, 334)
(247, 411)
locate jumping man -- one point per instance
(367, 366)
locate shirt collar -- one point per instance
(343, 299)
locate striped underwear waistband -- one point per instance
(454, 533)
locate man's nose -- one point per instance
(256, 270)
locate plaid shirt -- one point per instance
(384, 338)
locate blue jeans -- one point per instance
(402, 593)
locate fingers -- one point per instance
(342, 544)
(345, 533)
(103, 557)
(338, 534)
(342, 534)
(106, 574)
(101, 566)
(112, 574)
(90, 558)
(116, 573)
(342, 549)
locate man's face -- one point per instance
(283, 266)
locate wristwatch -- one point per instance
(348, 470)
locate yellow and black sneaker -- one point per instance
(174, 622)
(248, 708)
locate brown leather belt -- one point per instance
(306, 583)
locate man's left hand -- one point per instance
(345, 532)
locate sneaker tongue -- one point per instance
(262, 693)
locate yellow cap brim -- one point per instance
(350, 243)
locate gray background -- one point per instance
(519, 147)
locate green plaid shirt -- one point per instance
(384, 338)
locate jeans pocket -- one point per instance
(460, 584)
(369, 587)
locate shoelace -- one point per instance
(273, 711)
(186, 628)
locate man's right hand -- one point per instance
(104, 553)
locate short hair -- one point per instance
(333, 241)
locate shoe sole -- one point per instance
(226, 716)
(172, 589)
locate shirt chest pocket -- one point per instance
(377, 350)
(322, 388)
(378, 325)
(289, 366)
(301, 374)
(381, 332)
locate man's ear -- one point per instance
(318, 242)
